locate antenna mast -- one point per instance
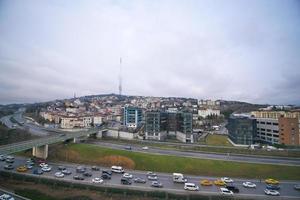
(120, 78)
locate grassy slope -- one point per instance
(84, 153)
(220, 140)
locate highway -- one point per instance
(201, 155)
(287, 191)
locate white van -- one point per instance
(191, 186)
(117, 169)
(179, 178)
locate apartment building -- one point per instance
(289, 131)
(132, 117)
(204, 112)
(155, 125)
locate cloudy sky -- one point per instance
(245, 50)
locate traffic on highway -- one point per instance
(176, 182)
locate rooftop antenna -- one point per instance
(120, 78)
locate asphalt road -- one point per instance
(213, 156)
(287, 191)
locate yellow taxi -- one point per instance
(22, 169)
(271, 181)
(206, 182)
(219, 182)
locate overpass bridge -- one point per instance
(40, 146)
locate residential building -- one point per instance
(288, 131)
(204, 112)
(97, 120)
(132, 117)
(242, 130)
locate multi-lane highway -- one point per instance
(213, 156)
(287, 190)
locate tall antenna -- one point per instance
(120, 78)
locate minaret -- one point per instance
(120, 78)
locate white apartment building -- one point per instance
(268, 130)
(207, 112)
(87, 121)
(97, 120)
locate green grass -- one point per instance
(162, 163)
(220, 140)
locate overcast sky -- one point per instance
(235, 50)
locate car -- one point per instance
(7, 160)
(2, 158)
(151, 173)
(43, 165)
(233, 188)
(105, 176)
(97, 180)
(46, 169)
(61, 168)
(297, 187)
(59, 175)
(271, 181)
(219, 182)
(30, 163)
(272, 187)
(95, 168)
(227, 180)
(127, 175)
(271, 192)
(30, 160)
(66, 172)
(41, 161)
(145, 148)
(139, 180)
(249, 185)
(29, 166)
(21, 169)
(128, 148)
(206, 182)
(6, 197)
(87, 174)
(76, 177)
(117, 169)
(225, 191)
(107, 172)
(125, 181)
(80, 169)
(191, 186)
(10, 157)
(156, 184)
(152, 177)
(8, 167)
(37, 171)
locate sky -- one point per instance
(247, 50)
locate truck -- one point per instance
(179, 178)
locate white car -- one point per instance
(59, 175)
(43, 165)
(97, 180)
(227, 180)
(249, 185)
(145, 148)
(271, 192)
(225, 191)
(46, 169)
(127, 175)
(6, 197)
(191, 186)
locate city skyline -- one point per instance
(233, 50)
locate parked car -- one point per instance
(106, 176)
(46, 169)
(6, 197)
(8, 167)
(87, 174)
(76, 177)
(191, 186)
(139, 180)
(227, 180)
(2, 157)
(125, 181)
(22, 169)
(272, 187)
(233, 188)
(145, 148)
(29, 166)
(7, 160)
(43, 165)
(271, 192)
(225, 191)
(249, 185)
(66, 172)
(127, 175)
(97, 180)
(95, 168)
(156, 184)
(59, 175)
